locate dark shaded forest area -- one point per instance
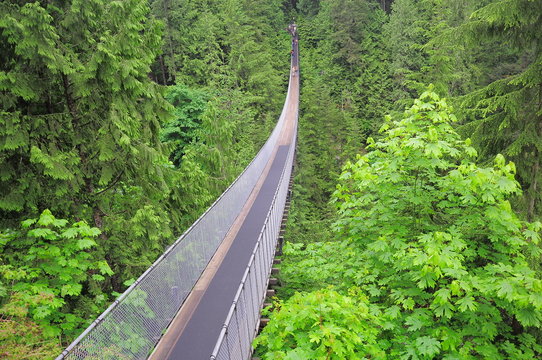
(414, 229)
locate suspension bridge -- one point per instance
(202, 298)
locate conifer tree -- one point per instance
(80, 119)
(322, 129)
(406, 33)
(308, 7)
(181, 130)
(506, 115)
(373, 86)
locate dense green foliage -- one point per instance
(56, 267)
(506, 115)
(432, 242)
(79, 127)
(429, 228)
(345, 87)
(80, 121)
(321, 325)
(453, 252)
(181, 131)
(121, 121)
(132, 117)
(486, 56)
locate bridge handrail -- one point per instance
(131, 326)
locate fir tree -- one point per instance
(506, 115)
(80, 118)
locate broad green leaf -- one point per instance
(85, 243)
(71, 289)
(529, 317)
(466, 303)
(428, 346)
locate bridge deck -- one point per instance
(200, 334)
(195, 331)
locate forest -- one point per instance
(414, 231)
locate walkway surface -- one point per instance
(199, 337)
(195, 331)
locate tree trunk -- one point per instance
(533, 189)
(70, 103)
(170, 42)
(163, 67)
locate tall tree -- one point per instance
(506, 115)
(322, 128)
(373, 86)
(406, 33)
(80, 119)
(432, 249)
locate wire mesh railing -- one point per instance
(133, 324)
